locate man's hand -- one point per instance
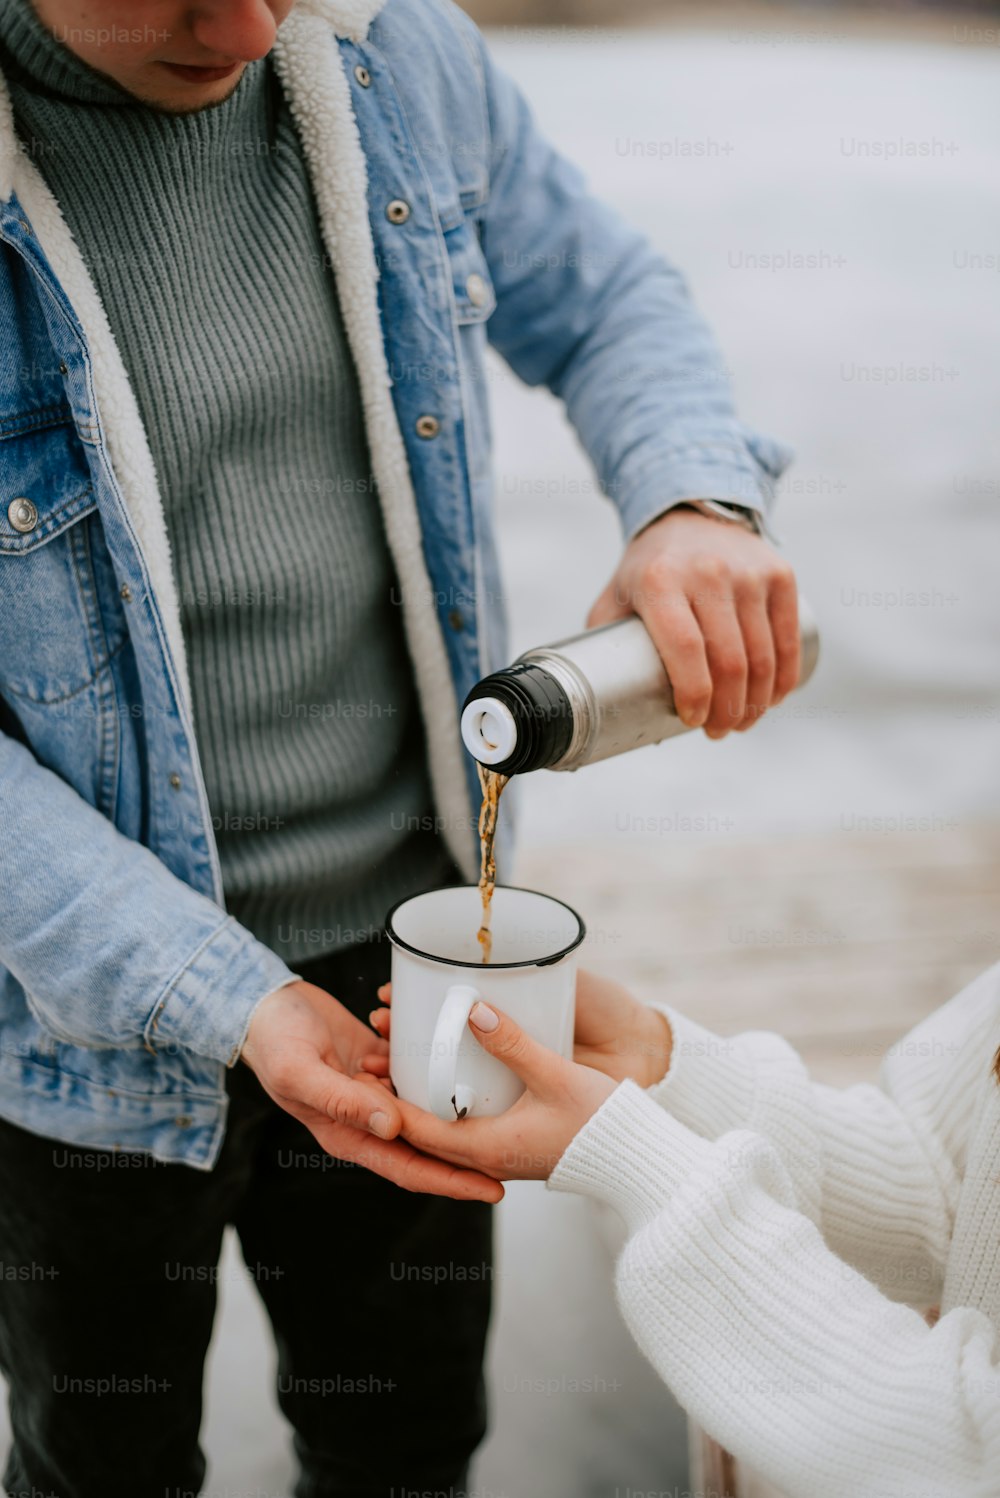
(306, 1050)
(722, 609)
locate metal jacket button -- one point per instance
(397, 212)
(22, 514)
(428, 426)
(363, 76)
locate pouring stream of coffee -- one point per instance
(492, 783)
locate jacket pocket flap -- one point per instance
(472, 285)
(44, 487)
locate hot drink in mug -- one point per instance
(438, 975)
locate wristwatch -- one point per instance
(736, 514)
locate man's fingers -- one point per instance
(760, 654)
(441, 1179)
(783, 608)
(345, 1100)
(678, 637)
(381, 1022)
(715, 610)
(398, 1162)
(371, 1076)
(689, 577)
(405, 1166)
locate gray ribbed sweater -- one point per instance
(202, 237)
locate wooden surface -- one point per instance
(840, 943)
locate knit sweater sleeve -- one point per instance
(789, 1357)
(877, 1167)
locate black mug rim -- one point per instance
(398, 941)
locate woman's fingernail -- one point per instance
(379, 1124)
(483, 1017)
(373, 1017)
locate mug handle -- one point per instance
(448, 1098)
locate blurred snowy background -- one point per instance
(876, 360)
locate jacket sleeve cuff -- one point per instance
(729, 475)
(631, 1155)
(208, 1004)
(711, 1082)
(741, 468)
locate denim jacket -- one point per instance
(125, 989)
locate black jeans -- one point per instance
(379, 1300)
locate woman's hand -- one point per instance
(615, 1034)
(527, 1141)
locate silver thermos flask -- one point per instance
(587, 698)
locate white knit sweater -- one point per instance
(782, 1233)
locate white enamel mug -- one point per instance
(438, 975)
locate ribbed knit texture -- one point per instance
(784, 1237)
(201, 234)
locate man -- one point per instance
(251, 257)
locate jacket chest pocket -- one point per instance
(60, 615)
(472, 286)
